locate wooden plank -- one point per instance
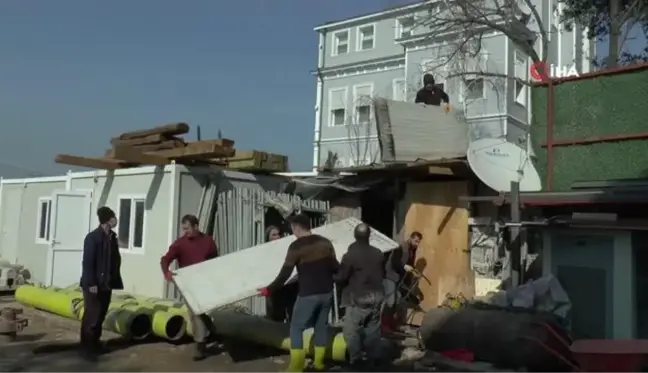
(170, 144)
(258, 160)
(167, 130)
(197, 150)
(151, 139)
(100, 163)
(134, 155)
(434, 209)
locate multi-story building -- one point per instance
(386, 53)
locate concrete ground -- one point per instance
(48, 344)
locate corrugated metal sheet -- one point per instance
(243, 272)
(409, 132)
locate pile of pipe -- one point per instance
(139, 318)
(508, 338)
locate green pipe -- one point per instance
(129, 319)
(263, 331)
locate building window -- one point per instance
(44, 217)
(362, 96)
(473, 88)
(399, 90)
(405, 27)
(521, 75)
(366, 37)
(338, 106)
(341, 42)
(130, 229)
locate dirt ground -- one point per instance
(49, 344)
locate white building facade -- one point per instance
(385, 54)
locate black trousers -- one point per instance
(95, 308)
(279, 306)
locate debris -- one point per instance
(164, 145)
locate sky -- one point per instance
(74, 73)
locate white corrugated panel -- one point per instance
(236, 276)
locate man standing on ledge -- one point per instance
(314, 257)
(191, 248)
(432, 94)
(361, 278)
(100, 275)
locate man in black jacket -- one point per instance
(432, 94)
(100, 275)
(361, 275)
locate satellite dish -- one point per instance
(497, 163)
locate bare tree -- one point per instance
(461, 25)
(360, 128)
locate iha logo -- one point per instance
(542, 71)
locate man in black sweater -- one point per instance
(361, 276)
(432, 94)
(100, 275)
(314, 258)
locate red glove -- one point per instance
(264, 292)
(168, 276)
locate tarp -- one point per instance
(237, 276)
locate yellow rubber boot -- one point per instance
(297, 360)
(319, 356)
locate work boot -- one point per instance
(319, 355)
(297, 360)
(201, 351)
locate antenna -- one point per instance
(198, 137)
(498, 163)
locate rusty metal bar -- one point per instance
(597, 139)
(550, 133)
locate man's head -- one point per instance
(415, 240)
(300, 225)
(106, 217)
(189, 225)
(428, 81)
(362, 232)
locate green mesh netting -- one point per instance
(600, 106)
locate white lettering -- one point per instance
(563, 71)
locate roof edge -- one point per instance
(372, 16)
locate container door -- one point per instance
(70, 222)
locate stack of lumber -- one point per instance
(164, 145)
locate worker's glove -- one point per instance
(408, 268)
(168, 276)
(446, 107)
(264, 292)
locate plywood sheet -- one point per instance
(237, 276)
(434, 209)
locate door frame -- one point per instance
(49, 270)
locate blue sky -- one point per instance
(76, 72)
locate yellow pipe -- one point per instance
(168, 325)
(62, 304)
(263, 331)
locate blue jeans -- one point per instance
(391, 293)
(311, 310)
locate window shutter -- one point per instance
(338, 98)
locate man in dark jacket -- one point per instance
(361, 278)
(100, 275)
(432, 94)
(191, 248)
(399, 263)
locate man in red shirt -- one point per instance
(191, 248)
